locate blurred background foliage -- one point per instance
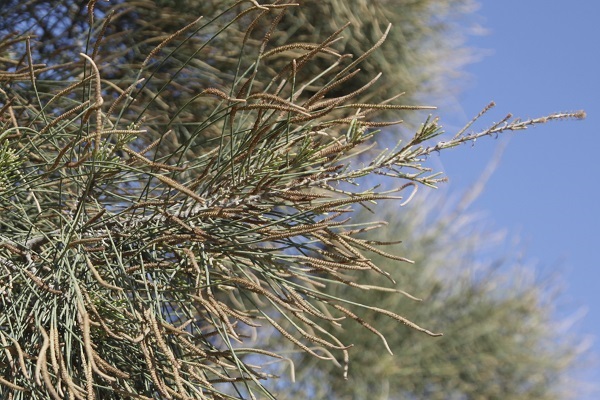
(421, 56)
(501, 336)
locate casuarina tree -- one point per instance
(164, 208)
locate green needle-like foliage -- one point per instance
(160, 219)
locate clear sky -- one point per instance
(541, 57)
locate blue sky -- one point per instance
(541, 57)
